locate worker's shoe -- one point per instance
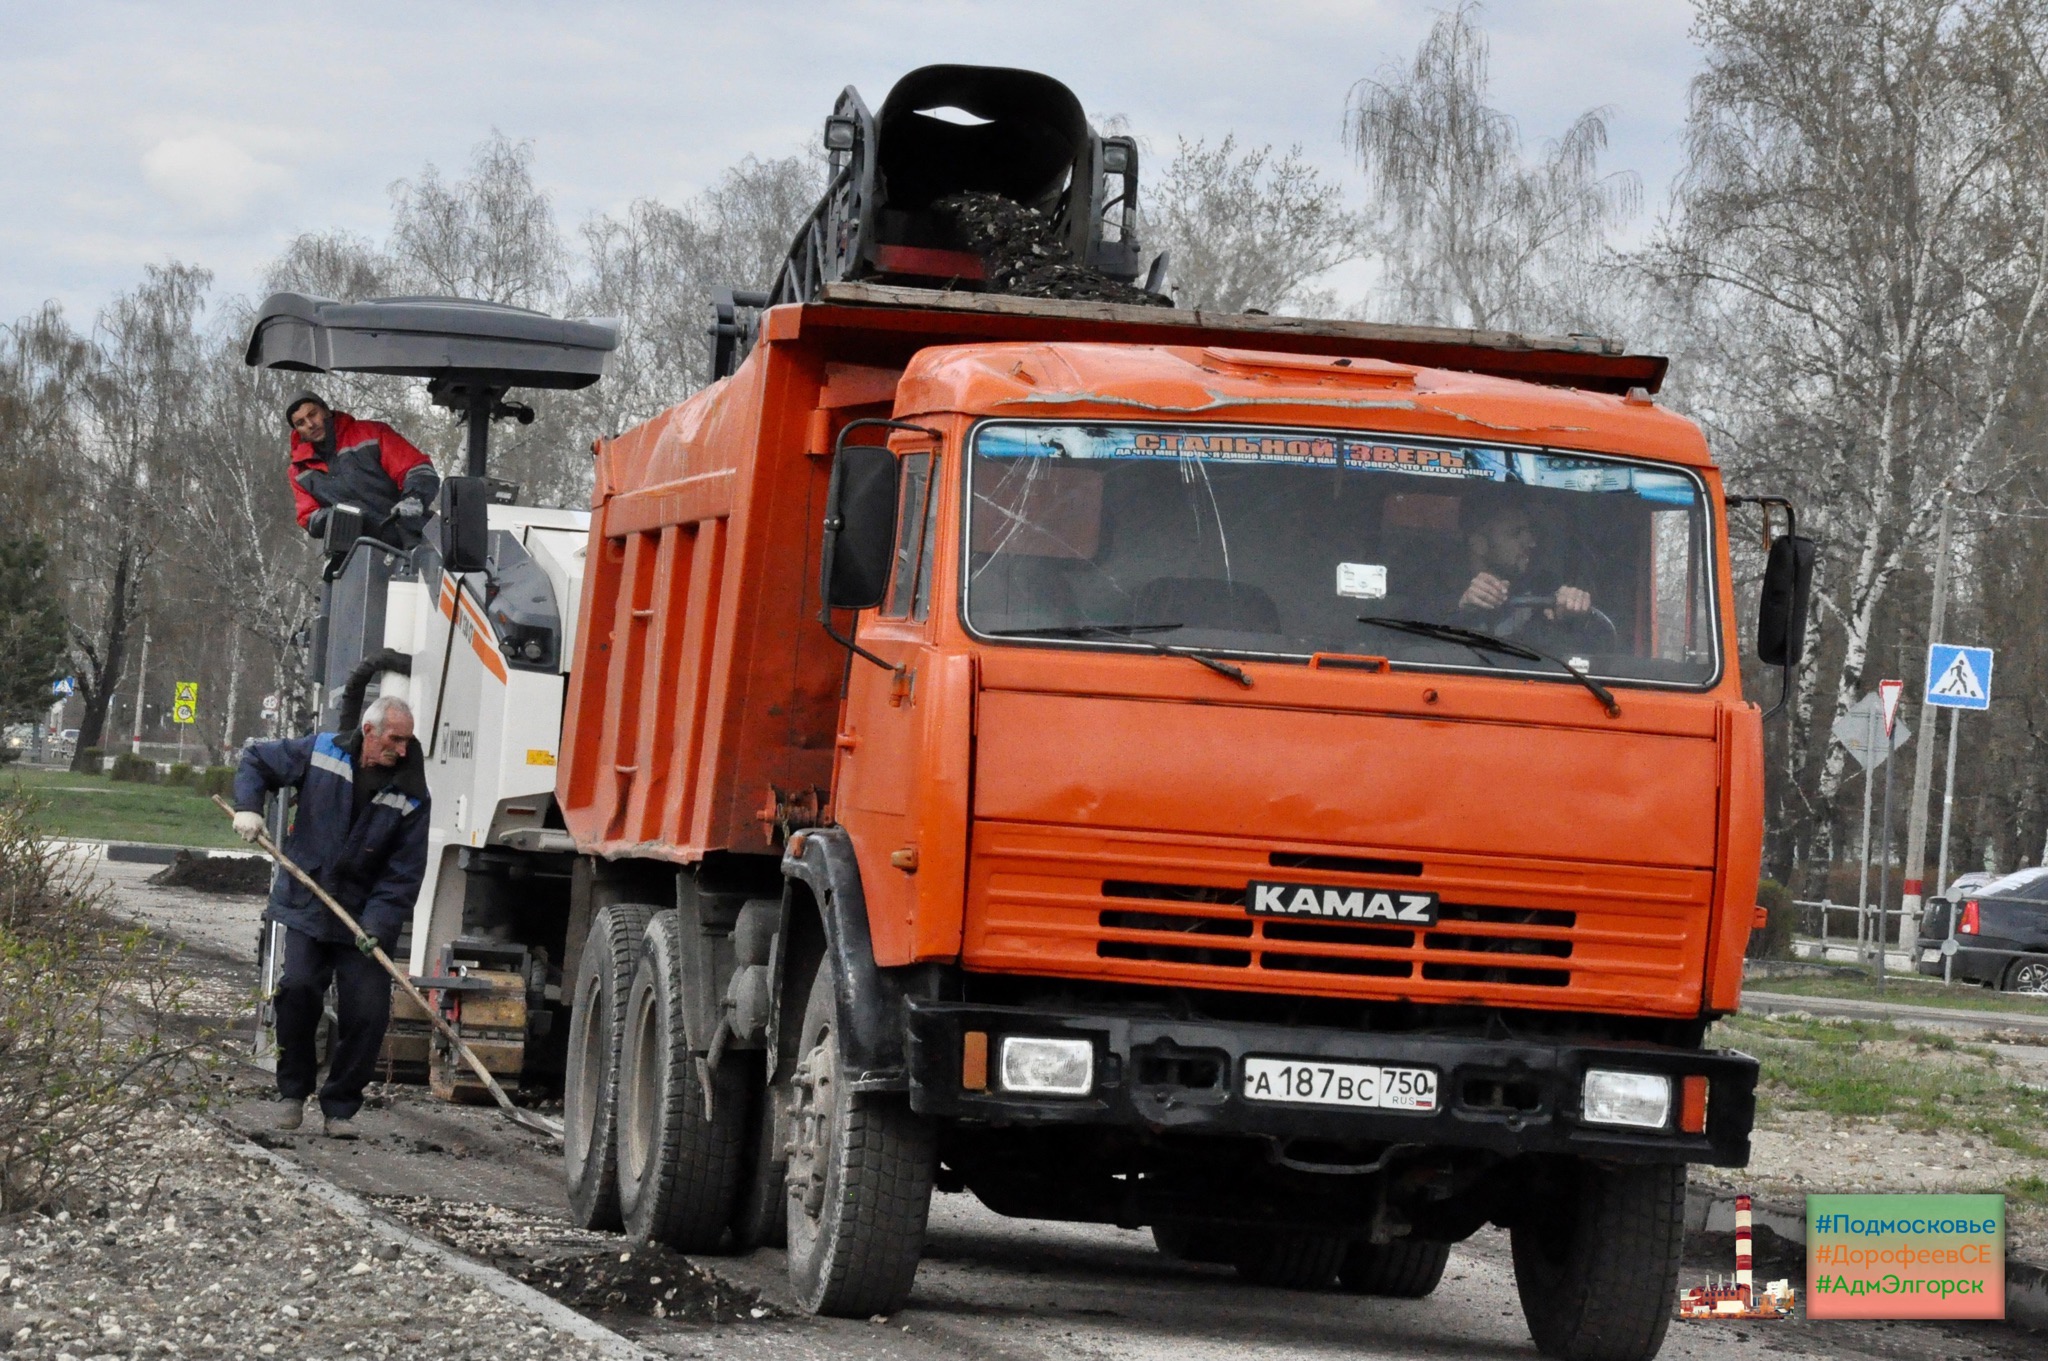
(290, 1113)
(341, 1127)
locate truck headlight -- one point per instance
(1046, 1067)
(1638, 1100)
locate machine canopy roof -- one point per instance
(449, 339)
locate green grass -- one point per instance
(1914, 990)
(96, 808)
(1871, 1070)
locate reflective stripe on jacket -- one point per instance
(372, 864)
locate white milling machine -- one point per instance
(473, 628)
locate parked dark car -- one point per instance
(2009, 914)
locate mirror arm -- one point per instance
(846, 641)
(1784, 693)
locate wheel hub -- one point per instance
(810, 1138)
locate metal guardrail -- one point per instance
(1874, 924)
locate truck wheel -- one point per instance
(760, 1219)
(860, 1179)
(1290, 1261)
(590, 1087)
(1191, 1242)
(2026, 975)
(1405, 1269)
(678, 1168)
(1597, 1266)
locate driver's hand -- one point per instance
(1487, 592)
(1572, 600)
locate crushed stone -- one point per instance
(1022, 256)
(199, 1252)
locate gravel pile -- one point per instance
(201, 1252)
(1023, 257)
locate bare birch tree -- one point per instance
(1472, 232)
(1863, 204)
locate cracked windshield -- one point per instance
(1286, 542)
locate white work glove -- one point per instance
(248, 826)
(410, 508)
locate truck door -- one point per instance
(882, 738)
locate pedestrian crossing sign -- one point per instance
(1958, 677)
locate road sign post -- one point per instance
(1863, 733)
(1889, 693)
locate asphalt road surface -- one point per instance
(990, 1288)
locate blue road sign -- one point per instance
(1958, 677)
(62, 688)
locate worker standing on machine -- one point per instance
(338, 460)
(361, 833)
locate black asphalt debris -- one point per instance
(653, 1281)
(245, 874)
(1023, 257)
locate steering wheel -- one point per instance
(1549, 602)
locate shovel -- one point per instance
(526, 1119)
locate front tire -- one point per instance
(1405, 1269)
(860, 1178)
(678, 1166)
(590, 1089)
(1290, 1261)
(1596, 1261)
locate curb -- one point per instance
(146, 853)
(1759, 1003)
(1709, 1211)
(552, 1312)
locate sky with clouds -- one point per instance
(213, 132)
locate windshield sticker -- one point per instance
(1363, 453)
(1362, 580)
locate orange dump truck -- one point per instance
(1284, 784)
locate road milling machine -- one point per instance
(1279, 782)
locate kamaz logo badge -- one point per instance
(1340, 904)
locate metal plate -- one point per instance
(1366, 1086)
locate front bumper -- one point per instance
(1503, 1096)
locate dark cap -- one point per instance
(304, 397)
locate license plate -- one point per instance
(1930, 954)
(1321, 902)
(1370, 1086)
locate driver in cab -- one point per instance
(1501, 596)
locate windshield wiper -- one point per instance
(1128, 633)
(1476, 638)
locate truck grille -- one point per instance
(1360, 951)
(1602, 936)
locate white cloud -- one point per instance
(209, 177)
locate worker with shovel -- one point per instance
(360, 833)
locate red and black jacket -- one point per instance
(371, 468)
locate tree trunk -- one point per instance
(104, 669)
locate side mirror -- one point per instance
(860, 528)
(1781, 613)
(463, 511)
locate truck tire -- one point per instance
(1597, 1265)
(1187, 1241)
(1289, 1260)
(760, 1216)
(590, 1086)
(860, 1179)
(678, 1167)
(1405, 1269)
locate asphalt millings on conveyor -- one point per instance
(1024, 258)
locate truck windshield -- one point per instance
(1286, 543)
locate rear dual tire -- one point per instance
(678, 1162)
(1404, 1269)
(597, 1027)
